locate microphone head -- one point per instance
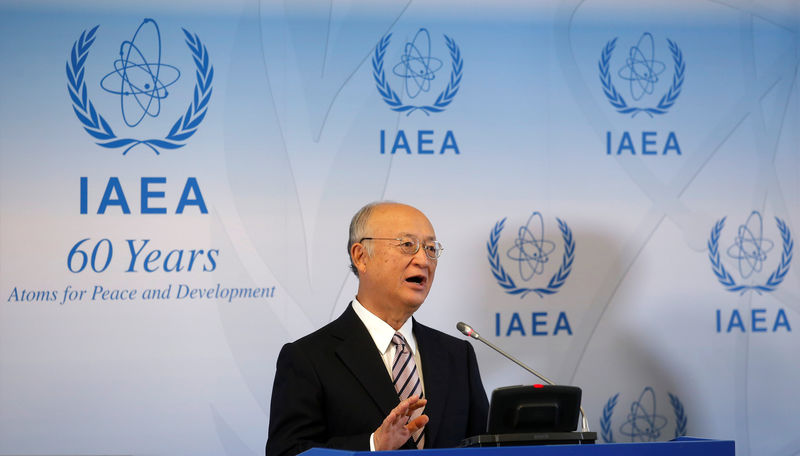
(467, 330)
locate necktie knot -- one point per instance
(399, 341)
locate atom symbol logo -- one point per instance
(641, 69)
(416, 67)
(750, 247)
(138, 75)
(531, 251)
(140, 86)
(642, 423)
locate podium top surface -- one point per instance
(684, 446)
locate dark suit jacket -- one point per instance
(332, 390)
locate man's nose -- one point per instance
(420, 257)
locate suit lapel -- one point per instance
(435, 376)
(359, 354)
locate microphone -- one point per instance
(467, 330)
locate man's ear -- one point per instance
(359, 255)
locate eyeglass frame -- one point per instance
(417, 242)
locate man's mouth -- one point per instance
(417, 279)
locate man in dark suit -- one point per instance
(375, 378)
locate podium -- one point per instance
(683, 446)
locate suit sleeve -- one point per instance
(478, 403)
(297, 410)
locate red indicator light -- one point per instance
(538, 385)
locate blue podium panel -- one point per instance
(684, 446)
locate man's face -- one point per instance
(399, 281)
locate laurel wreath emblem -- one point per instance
(608, 410)
(680, 415)
(725, 277)
(556, 281)
(618, 101)
(98, 127)
(605, 421)
(393, 100)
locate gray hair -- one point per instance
(358, 227)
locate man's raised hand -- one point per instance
(396, 429)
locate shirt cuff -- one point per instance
(372, 442)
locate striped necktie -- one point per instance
(406, 380)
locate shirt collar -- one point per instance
(381, 332)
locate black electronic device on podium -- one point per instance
(531, 414)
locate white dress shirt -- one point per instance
(382, 335)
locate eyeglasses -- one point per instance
(410, 246)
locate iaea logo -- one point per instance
(141, 81)
(643, 422)
(642, 72)
(750, 250)
(531, 251)
(417, 69)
